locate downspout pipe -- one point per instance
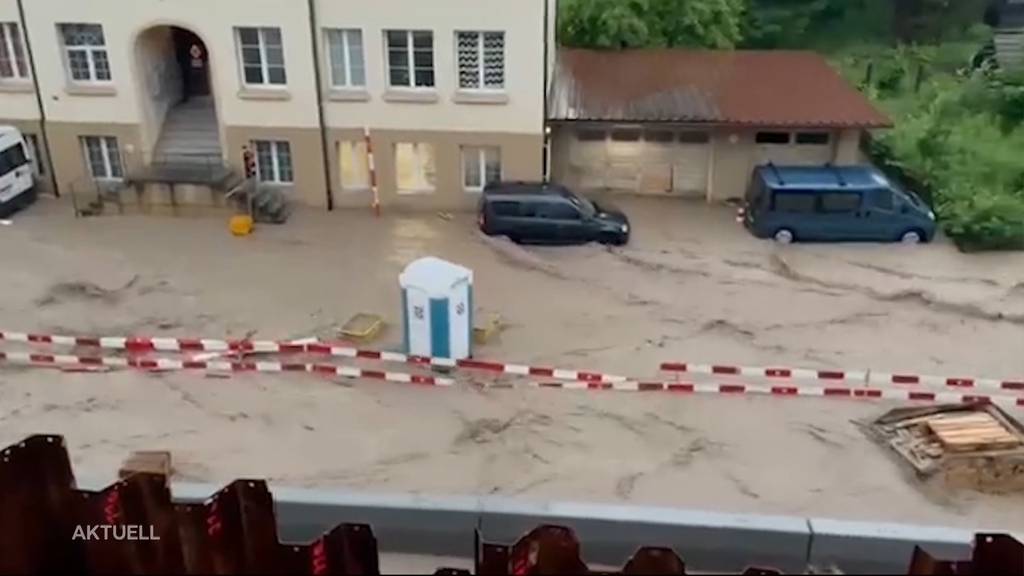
(39, 101)
(314, 32)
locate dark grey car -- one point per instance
(534, 212)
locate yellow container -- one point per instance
(240, 225)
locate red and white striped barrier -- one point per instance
(938, 381)
(762, 372)
(132, 344)
(792, 391)
(173, 364)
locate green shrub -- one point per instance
(982, 219)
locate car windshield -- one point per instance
(910, 195)
(586, 207)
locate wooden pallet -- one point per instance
(971, 432)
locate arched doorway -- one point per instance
(180, 118)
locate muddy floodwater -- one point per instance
(692, 286)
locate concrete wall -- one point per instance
(523, 24)
(123, 22)
(610, 534)
(159, 81)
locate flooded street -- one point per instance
(692, 286)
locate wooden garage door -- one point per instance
(651, 161)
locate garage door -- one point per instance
(795, 148)
(643, 161)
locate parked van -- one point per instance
(17, 178)
(833, 203)
(545, 213)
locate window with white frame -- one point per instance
(85, 52)
(481, 165)
(103, 156)
(410, 58)
(415, 168)
(355, 165)
(481, 58)
(34, 155)
(348, 67)
(262, 56)
(274, 161)
(13, 65)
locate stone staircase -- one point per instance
(189, 131)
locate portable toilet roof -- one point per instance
(434, 276)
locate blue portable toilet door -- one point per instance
(440, 333)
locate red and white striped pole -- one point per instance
(373, 170)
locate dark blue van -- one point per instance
(833, 203)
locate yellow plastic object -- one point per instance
(362, 326)
(488, 326)
(240, 225)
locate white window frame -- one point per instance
(481, 62)
(478, 154)
(275, 159)
(90, 55)
(108, 167)
(410, 48)
(261, 32)
(12, 36)
(344, 35)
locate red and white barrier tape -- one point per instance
(172, 364)
(938, 381)
(845, 376)
(760, 372)
(274, 347)
(791, 391)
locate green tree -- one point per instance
(651, 23)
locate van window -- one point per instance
(882, 198)
(794, 201)
(12, 158)
(558, 211)
(838, 202)
(505, 208)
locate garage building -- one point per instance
(695, 123)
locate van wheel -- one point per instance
(784, 236)
(912, 237)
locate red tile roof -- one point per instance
(756, 88)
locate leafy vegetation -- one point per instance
(959, 135)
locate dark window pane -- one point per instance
(506, 208)
(557, 211)
(882, 198)
(277, 75)
(658, 136)
(840, 202)
(399, 76)
(772, 138)
(591, 135)
(423, 40)
(795, 202)
(398, 39)
(253, 75)
(815, 138)
(425, 78)
(693, 137)
(249, 36)
(626, 134)
(423, 59)
(12, 158)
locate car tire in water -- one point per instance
(912, 237)
(784, 236)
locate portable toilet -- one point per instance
(437, 309)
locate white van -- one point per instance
(17, 176)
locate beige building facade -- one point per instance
(450, 93)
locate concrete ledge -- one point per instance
(480, 97)
(90, 90)
(348, 95)
(411, 96)
(251, 93)
(875, 548)
(17, 86)
(611, 534)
